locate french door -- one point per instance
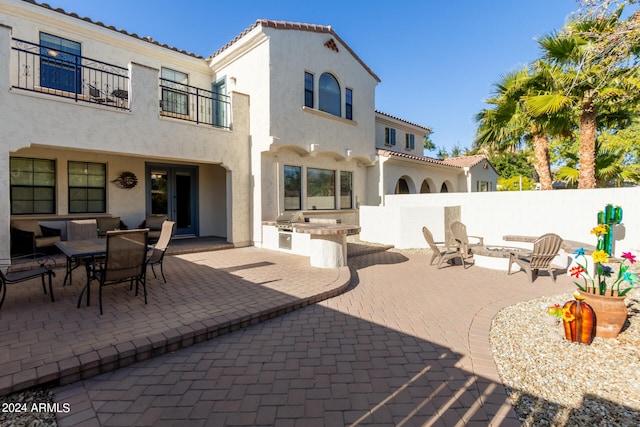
(173, 192)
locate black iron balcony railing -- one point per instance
(190, 103)
(43, 69)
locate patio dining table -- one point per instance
(77, 250)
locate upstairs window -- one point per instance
(175, 93)
(389, 136)
(329, 95)
(220, 103)
(60, 66)
(33, 186)
(87, 187)
(410, 141)
(348, 104)
(308, 90)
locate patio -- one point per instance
(221, 291)
(45, 342)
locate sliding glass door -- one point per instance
(173, 192)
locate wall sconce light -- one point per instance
(349, 152)
(314, 147)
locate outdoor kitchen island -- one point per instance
(324, 241)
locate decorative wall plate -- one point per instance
(126, 180)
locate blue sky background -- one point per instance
(437, 60)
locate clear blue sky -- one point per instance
(437, 60)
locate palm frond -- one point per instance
(551, 103)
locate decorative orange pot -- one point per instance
(611, 313)
(582, 328)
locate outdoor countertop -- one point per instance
(326, 229)
(321, 228)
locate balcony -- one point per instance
(57, 73)
(41, 69)
(184, 102)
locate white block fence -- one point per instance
(569, 213)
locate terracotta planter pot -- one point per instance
(611, 313)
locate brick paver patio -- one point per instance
(406, 344)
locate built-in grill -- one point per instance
(284, 224)
(286, 220)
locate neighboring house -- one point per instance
(281, 118)
(479, 173)
(403, 169)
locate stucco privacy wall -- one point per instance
(569, 213)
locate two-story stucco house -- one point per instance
(281, 118)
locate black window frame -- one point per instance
(292, 186)
(346, 191)
(348, 103)
(320, 191)
(95, 196)
(410, 141)
(308, 89)
(33, 187)
(389, 136)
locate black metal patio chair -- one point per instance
(37, 266)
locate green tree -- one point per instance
(617, 159)
(508, 124)
(611, 168)
(516, 183)
(587, 83)
(512, 163)
(442, 153)
(457, 151)
(428, 143)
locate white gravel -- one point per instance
(554, 382)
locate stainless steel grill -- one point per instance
(286, 220)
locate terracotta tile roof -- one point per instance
(387, 153)
(465, 161)
(402, 120)
(296, 26)
(111, 27)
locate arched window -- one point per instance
(402, 187)
(444, 188)
(329, 91)
(424, 188)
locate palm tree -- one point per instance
(586, 83)
(509, 124)
(611, 168)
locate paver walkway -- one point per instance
(407, 344)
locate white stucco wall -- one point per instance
(569, 213)
(61, 129)
(402, 129)
(291, 54)
(270, 64)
